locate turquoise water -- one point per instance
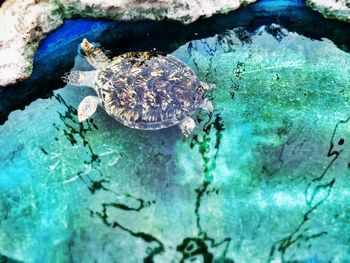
(263, 179)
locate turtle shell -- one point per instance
(146, 90)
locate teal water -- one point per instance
(265, 178)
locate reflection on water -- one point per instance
(263, 177)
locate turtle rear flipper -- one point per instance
(207, 105)
(87, 107)
(207, 86)
(187, 126)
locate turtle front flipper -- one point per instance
(87, 107)
(80, 78)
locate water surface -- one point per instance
(264, 178)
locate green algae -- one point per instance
(263, 178)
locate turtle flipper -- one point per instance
(87, 107)
(187, 126)
(207, 105)
(80, 78)
(207, 86)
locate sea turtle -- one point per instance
(142, 90)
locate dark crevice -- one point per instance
(4, 259)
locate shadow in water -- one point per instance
(76, 133)
(4, 259)
(207, 142)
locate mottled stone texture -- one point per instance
(265, 178)
(23, 24)
(337, 9)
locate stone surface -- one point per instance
(336, 9)
(23, 24)
(266, 177)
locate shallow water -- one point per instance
(264, 178)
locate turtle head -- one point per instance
(94, 55)
(88, 47)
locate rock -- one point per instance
(337, 9)
(20, 37)
(102, 192)
(23, 24)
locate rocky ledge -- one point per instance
(23, 24)
(336, 9)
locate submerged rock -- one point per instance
(23, 24)
(264, 177)
(337, 9)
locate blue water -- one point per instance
(71, 29)
(279, 4)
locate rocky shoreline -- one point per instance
(335, 9)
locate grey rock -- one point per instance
(335, 9)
